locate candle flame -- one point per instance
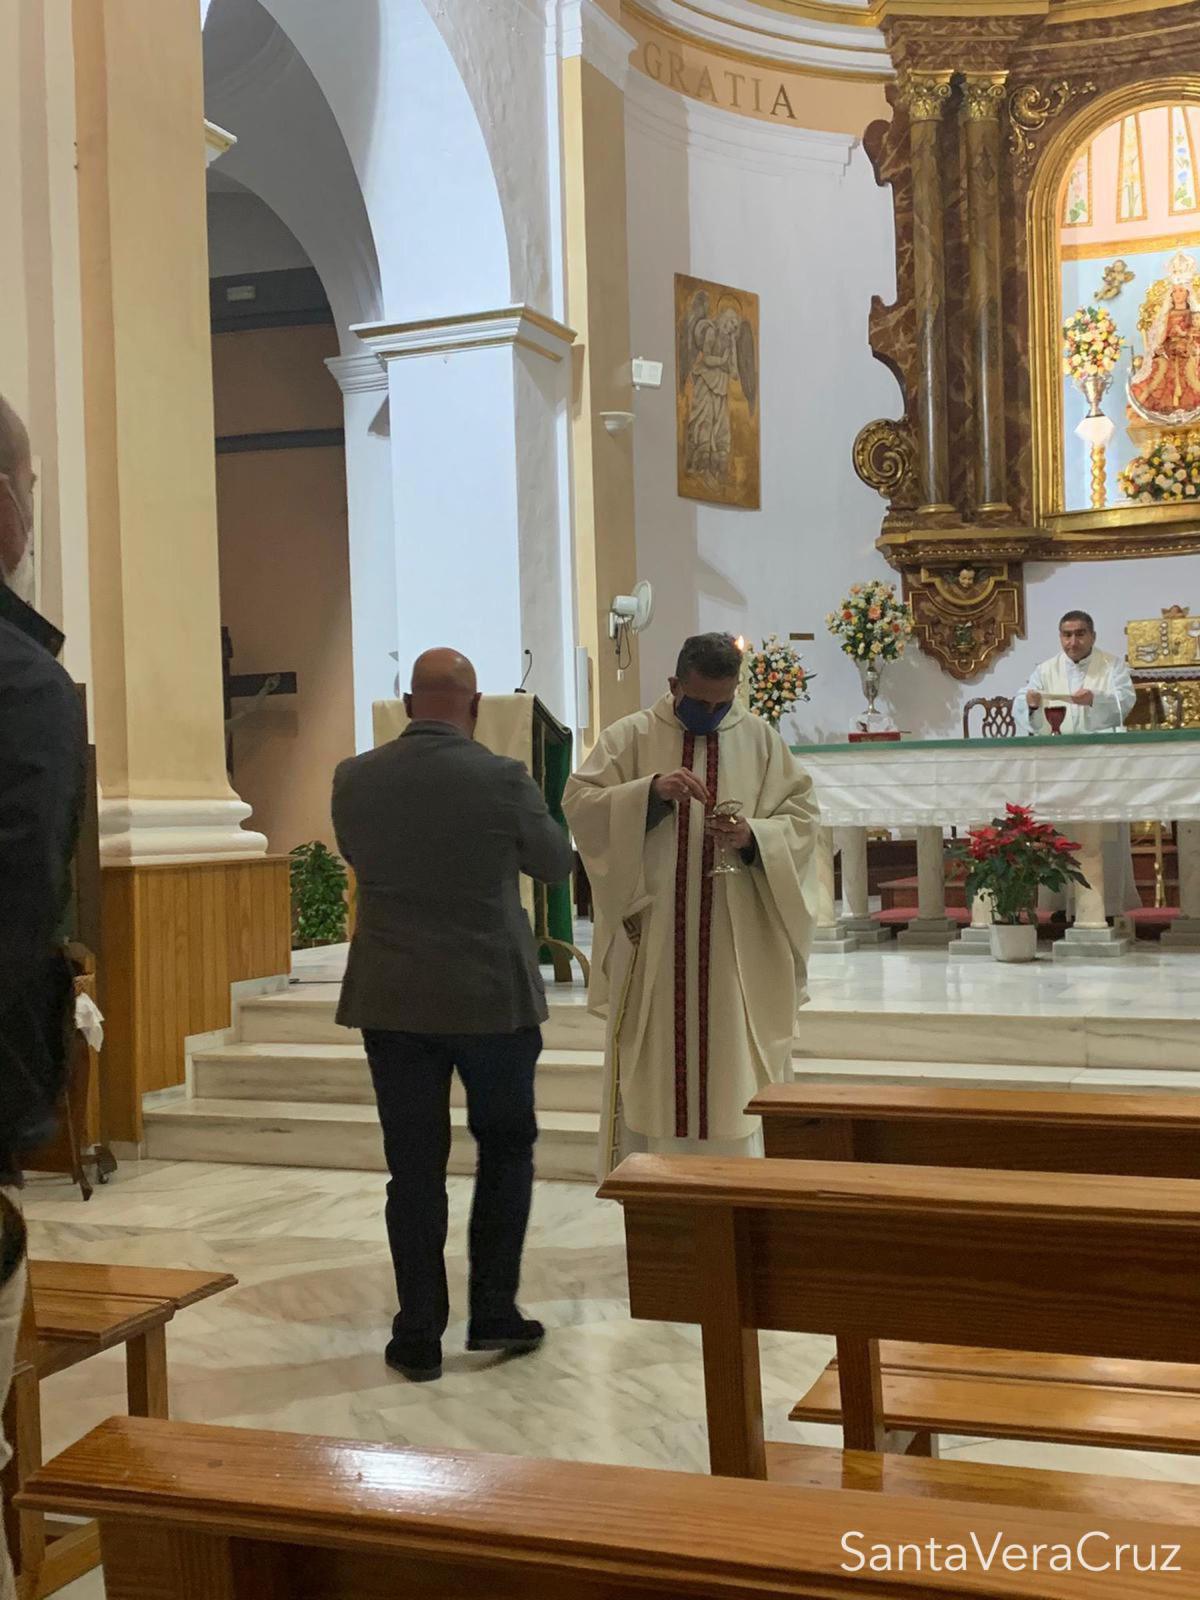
(741, 643)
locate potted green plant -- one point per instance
(1009, 861)
(318, 896)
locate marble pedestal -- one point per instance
(1092, 944)
(1183, 934)
(928, 933)
(971, 942)
(867, 931)
(835, 940)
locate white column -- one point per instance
(1184, 932)
(932, 929)
(374, 621)
(856, 899)
(1089, 937)
(476, 403)
(830, 937)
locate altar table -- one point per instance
(1081, 781)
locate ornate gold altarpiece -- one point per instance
(988, 112)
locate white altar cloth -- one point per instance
(1088, 777)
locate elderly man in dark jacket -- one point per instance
(443, 974)
(42, 745)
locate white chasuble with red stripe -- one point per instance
(700, 977)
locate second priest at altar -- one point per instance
(1098, 694)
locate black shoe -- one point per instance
(418, 1360)
(514, 1335)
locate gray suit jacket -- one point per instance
(438, 830)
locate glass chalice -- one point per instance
(727, 862)
(1055, 716)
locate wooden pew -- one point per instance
(1068, 1264)
(993, 1394)
(1135, 1135)
(74, 1310)
(198, 1513)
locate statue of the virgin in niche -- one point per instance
(1164, 387)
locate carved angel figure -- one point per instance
(1116, 276)
(714, 351)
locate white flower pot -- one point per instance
(1014, 941)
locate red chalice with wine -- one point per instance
(1055, 716)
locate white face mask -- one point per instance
(22, 580)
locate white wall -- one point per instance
(798, 218)
(245, 235)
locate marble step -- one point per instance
(1020, 1038)
(340, 1137)
(567, 1080)
(305, 1014)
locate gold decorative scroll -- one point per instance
(885, 458)
(1030, 108)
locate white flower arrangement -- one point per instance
(1169, 470)
(871, 623)
(778, 680)
(1091, 344)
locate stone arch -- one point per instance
(413, 138)
(291, 152)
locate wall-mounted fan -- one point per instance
(629, 614)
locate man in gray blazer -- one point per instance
(443, 974)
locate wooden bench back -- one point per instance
(198, 1513)
(1010, 1261)
(1136, 1135)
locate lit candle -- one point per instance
(744, 674)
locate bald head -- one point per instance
(16, 500)
(444, 689)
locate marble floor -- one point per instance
(297, 1345)
(1149, 982)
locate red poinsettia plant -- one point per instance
(1014, 858)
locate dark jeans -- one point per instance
(412, 1074)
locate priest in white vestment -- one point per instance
(1099, 694)
(700, 977)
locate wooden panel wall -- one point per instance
(175, 939)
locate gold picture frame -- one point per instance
(1135, 529)
(717, 404)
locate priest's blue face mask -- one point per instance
(699, 718)
(706, 707)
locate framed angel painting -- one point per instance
(716, 395)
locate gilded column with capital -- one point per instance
(924, 96)
(982, 102)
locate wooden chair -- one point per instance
(189, 1512)
(998, 720)
(74, 1310)
(1135, 1135)
(1072, 1265)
